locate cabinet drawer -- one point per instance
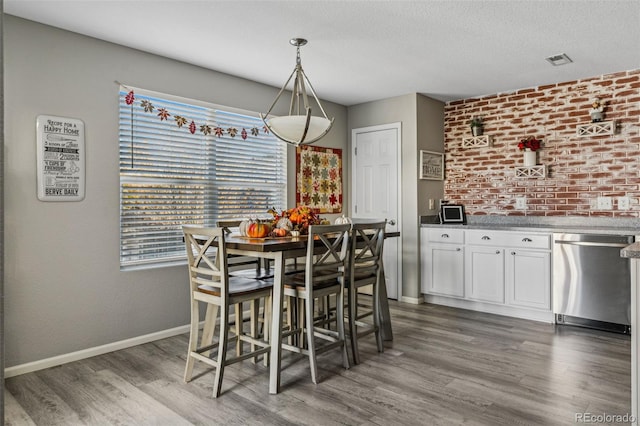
(445, 235)
(508, 239)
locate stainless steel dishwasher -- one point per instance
(591, 282)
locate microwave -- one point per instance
(452, 214)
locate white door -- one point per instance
(376, 189)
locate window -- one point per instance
(171, 176)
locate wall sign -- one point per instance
(60, 158)
(431, 165)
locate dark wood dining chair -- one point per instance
(364, 269)
(210, 283)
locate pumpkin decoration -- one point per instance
(342, 220)
(244, 227)
(258, 229)
(284, 223)
(280, 232)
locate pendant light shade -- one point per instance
(299, 127)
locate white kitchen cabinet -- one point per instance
(528, 278)
(443, 262)
(503, 272)
(484, 278)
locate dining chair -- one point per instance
(211, 284)
(324, 275)
(364, 269)
(246, 266)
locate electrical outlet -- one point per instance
(604, 203)
(593, 204)
(521, 203)
(624, 203)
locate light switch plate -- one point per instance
(604, 203)
(432, 204)
(624, 203)
(521, 203)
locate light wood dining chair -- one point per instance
(364, 269)
(211, 284)
(239, 265)
(323, 276)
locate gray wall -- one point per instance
(64, 290)
(422, 128)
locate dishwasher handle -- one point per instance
(591, 244)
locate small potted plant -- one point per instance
(477, 126)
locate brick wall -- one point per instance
(579, 169)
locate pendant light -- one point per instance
(299, 127)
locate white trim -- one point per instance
(398, 127)
(412, 300)
(492, 308)
(89, 352)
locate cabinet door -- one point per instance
(484, 276)
(443, 269)
(529, 278)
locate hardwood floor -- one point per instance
(445, 367)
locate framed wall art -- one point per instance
(60, 158)
(431, 165)
(319, 178)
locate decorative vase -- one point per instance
(529, 157)
(477, 130)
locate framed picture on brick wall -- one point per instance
(431, 165)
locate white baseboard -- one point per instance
(89, 352)
(412, 300)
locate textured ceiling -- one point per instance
(361, 51)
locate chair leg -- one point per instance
(222, 350)
(255, 313)
(310, 339)
(353, 326)
(266, 312)
(239, 326)
(340, 325)
(209, 328)
(376, 313)
(300, 322)
(193, 339)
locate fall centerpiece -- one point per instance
(529, 146)
(293, 221)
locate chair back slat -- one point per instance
(207, 257)
(327, 251)
(367, 240)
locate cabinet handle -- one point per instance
(526, 240)
(458, 249)
(513, 253)
(486, 238)
(444, 236)
(497, 251)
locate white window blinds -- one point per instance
(170, 177)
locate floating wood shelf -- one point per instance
(596, 129)
(476, 141)
(531, 171)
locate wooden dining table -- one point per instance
(279, 250)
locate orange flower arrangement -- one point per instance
(301, 217)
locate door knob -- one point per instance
(392, 222)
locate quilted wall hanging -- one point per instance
(319, 178)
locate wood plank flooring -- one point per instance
(445, 366)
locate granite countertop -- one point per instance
(631, 251)
(578, 225)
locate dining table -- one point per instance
(278, 250)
